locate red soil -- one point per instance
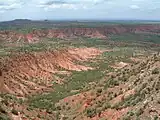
(111, 114)
(99, 32)
(31, 73)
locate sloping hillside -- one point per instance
(95, 32)
(131, 93)
(25, 74)
(127, 93)
(80, 73)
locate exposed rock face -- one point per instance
(25, 74)
(70, 33)
(141, 90)
(99, 32)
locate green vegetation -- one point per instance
(155, 71)
(78, 80)
(4, 117)
(75, 82)
(91, 112)
(98, 81)
(27, 25)
(136, 39)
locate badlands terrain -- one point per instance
(79, 70)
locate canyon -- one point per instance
(95, 32)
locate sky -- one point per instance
(79, 9)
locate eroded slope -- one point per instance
(95, 32)
(131, 93)
(25, 74)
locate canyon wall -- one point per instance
(97, 32)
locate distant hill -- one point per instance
(21, 20)
(19, 24)
(16, 21)
(23, 24)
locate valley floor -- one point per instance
(81, 79)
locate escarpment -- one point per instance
(96, 32)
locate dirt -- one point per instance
(119, 98)
(79, 103)
(120, 65)
(111, 114)
(98, 32)
(88, 99)
(136, 60)
(31, 73)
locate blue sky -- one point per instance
(79, 9)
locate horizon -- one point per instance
(79, 9)
(84, 20)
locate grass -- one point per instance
(4, 117)
(140, 41)
(136, 38)
(49, 44)
(78, 80)
(75, 82)
(27, 26)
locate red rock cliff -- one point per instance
(99, 32)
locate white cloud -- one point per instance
(54, 6)
(66, 9)
(68, 4)
(134, 7)
(8, 2)
(70, 1)
(9, 5)
(49, 4)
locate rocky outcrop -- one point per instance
(98, 32)
(27, 74)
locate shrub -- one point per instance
(115, 95)
(107, 105)
(68, 108)
(155, 71)
(91, 112)
(49, 111)
(4, 117)
(2, 110)
(126, 117)
(65, 118)
(139, 112)
(15, 112)
(156, 117)
(57, 115)
(99, 90)
(130, 113)
(120, 92)
(58, 108)
(99, 110)
(99, 103)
